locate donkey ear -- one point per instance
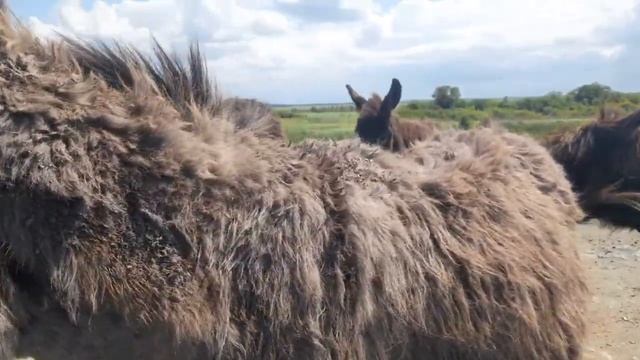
(393, 97)
(357, 99)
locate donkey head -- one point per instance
(375, 123)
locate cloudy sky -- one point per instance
(304, 51)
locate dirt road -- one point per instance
(613, 262)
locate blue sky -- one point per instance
(304, 51)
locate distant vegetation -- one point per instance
(536, 116)
(446, 97)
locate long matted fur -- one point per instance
(135, 224)
(602, 161)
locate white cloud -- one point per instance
(253, 45)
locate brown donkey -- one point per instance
(602, 161)
(142, 218)
(377, 124)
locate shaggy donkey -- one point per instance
(140, 220)
(377, 124)
(602, 161)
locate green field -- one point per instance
(325, 125)
(536, 116)
(341, 124)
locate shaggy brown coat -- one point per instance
(378, 125)
(137, 226)
(602, 161)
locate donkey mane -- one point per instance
(186, 85)
(120, 66)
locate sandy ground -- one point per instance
(613, 263)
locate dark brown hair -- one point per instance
(602, 161)
(378, 125)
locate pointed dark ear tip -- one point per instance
(392, 99)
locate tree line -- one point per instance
(594, 94)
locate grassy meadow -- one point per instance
(341, 124)
(300, 124)
(326, 125)
(535, 116)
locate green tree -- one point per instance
(591, 94)
(446, 96)
(455, 92)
